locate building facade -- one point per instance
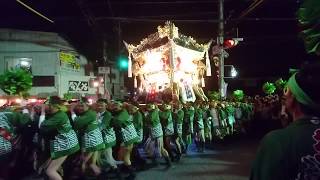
(57, 67)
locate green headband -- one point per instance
(299, 94)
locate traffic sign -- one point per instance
(103, 70)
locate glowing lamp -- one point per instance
(95, 83)
(24, 63)
(33, 100)
(18, 100)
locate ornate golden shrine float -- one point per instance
(168, 65)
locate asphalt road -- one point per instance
(230, 160)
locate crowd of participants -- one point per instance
(269, 114)
(61, 140)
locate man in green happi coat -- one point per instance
(222, 113)
(86, 125)
(293, 152)
(188, 124)
(168, 128)
(104, 118)
(230, 110)
(56, 129)
(156, 133)
(178, 116)
(199, 127)
(123, 122)
(12, 122)
(139, 126)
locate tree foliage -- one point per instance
(213, 95)
(269, 88)
(308, 16)
(238, 95)
(16, 82)
(280, 83)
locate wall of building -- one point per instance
(43, 48)
(115, 85)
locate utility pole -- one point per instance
(171, 59)
(105, 64)
(220, 40)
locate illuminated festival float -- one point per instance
(168, 65)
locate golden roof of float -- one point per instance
(163, 36)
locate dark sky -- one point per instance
(271, 43)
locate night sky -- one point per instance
(270, 31)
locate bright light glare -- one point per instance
(95, 84)
(24, 63)
(234, 72)
(33, 100)
(3, 102)
(18, 100)
(153, 61)
(90, 101)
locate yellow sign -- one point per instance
(67, 57)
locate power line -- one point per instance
(128, 19)
(164, 2)
(178, 15)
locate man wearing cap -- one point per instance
(57, 130)
(207, 120)
(168, 129)
(188, 124)
(123, 122)
(214, 113)
(156, 133)
(178, 121)
(104, 118)
(11, 124)
(199, 127)
(86, 125)
(293, 152)
(230, 110)
(138, 125)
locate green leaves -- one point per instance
(16, 82)
(269, 88)
(67, 96)
(238, 95)
(280, 83)
(213, 95)
(309, 18)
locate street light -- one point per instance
(234, 72)
(25, 63)
(230, 71)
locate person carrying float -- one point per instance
(199, 127)
(156, 134)
(56, 129)
(124, 123)
(104, 118)
(12, 121)
(168, 128)
(230, 110)
(86, 125)
(178, 116)
(138, 125)
(207, 120)
(223, 119)
(188, 125)
(216, 123)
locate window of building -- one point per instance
(43, 81)
(19, 62)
